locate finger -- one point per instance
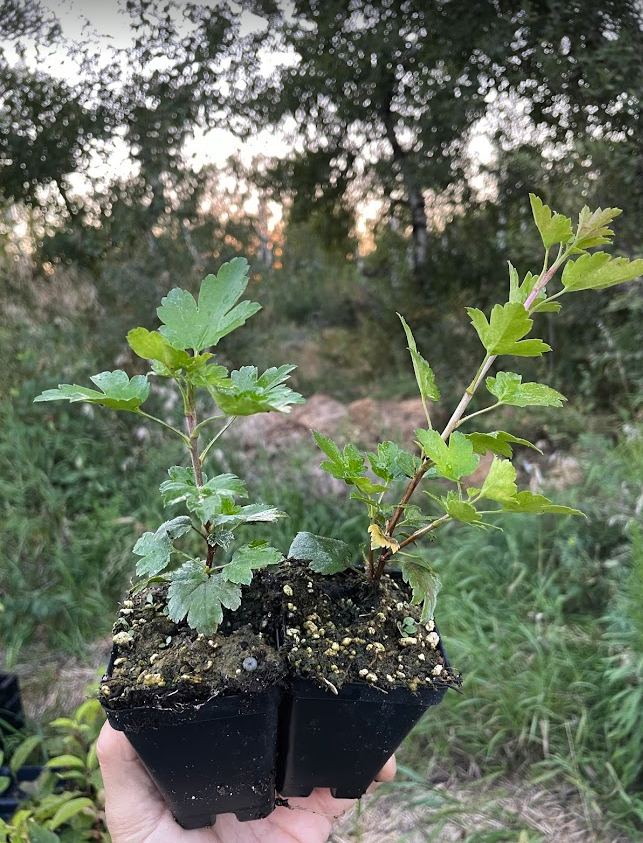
(387, 773)
(133, 805)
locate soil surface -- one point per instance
(292, 622)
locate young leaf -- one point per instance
(201, 597)
(461, 510)
(553, 228)
(326, 556)
(599, 271)
(245, 393)
(207, 500)
(519, 292)
(250, 558)
(155, 549)
(593, 228)
(503, 333)
(392, 462)
(167, 361)
(380, 539)
(509, 389)
(38, 834)
(500, 483)
(538, 504)
(424, 582)
(452, 461)
(117, 391)
(187, 324)
(498, 442)
(423, 372)
(349, 465)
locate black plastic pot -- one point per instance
(342, 741)
(11, 712)
(14, 794)
(216, 758)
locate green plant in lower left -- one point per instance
(66, 805)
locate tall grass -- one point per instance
(73, 493)
(544, 620)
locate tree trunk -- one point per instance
(414, 195)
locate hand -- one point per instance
(136, 812)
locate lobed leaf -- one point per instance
(453, 460)
(599, 271)
(245, 393)
(206, 501)
(424, 583)
(554, 228)
(593, 227)
(461, 510)
(500, 483)
(250, 558)
(117, 391)
(324, 555)
(201, 597)
(537, 504)
(380, 539)
(348, 465)
(498, 442)
(509, 389)
(155, 549)
(188, 324)
(423, 372)
(519, 292)
(392, 463)
(168, 361)
(503, 333)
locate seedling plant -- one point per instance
(204, 583)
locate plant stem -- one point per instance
(204, 453)
(206, 421)
(480, 412)
(386, 554)
(140, 412)
(457, 418)
(193, 443)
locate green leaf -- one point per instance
(66, 761)
(500, 482)
(326, 556)
(424, 583)
(553, 228)
(5, 781)
(453, 460)
(206, 501)
(593, 227)
(245, 393)
(187, 324)
(155, 549)
(509, 389)
(498, 442)
(599, 271)
(70, 809)
(38, 834)
(503, 333)
(538, 504)
(423, 372)
(201, 597)
(249, 558)
(117, 391)
(460, 510)
(23, 751)
(392, 463)
(349, 465)
(519, 292)
(168, 361)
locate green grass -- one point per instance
(544, 621)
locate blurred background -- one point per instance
(367, 158)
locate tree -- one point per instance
(389, 91)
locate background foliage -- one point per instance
(403, 187)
